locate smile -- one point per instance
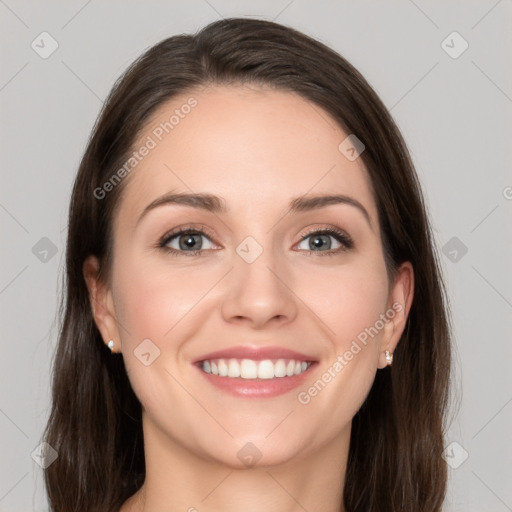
(254, 369)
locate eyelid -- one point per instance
(328, 229)
(341, 235)
(199, 228)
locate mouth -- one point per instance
(254, 369)
(255, 372)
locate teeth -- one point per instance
(280, 368)
(223, 368)
(266, 369)
(233, 368)
(251, 369)
(248, 369)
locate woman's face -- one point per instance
(289, 291)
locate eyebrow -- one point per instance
(216, 204)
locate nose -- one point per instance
(258, 293)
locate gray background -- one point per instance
(455, 114)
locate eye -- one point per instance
(320, 241)
(189, 241)
(186, 240)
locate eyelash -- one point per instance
(340, 236)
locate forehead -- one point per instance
(256, 147)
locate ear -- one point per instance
(102, 304)
(400, 301)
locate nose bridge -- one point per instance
(257, 265)
(257, 289)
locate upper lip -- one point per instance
(255, 353)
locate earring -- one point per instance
(110, 345)
(389, 357)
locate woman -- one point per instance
(248, 237)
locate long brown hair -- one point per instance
(395, 461)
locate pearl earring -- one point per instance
(389, 357)
(110, 345)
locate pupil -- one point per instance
(189, 241)
(320, 241)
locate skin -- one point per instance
(256, 148)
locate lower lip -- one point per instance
(257, 388)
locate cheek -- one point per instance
(357, 302)
(153, 299)
(350, 302)
(347, 301)
(162, 304)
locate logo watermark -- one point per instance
(150, 143)
(304, 397)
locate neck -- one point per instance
(180, 480)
